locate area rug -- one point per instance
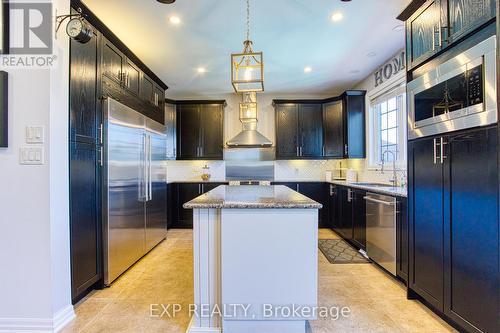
(338, 251)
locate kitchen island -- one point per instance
(255, 260)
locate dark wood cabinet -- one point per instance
(344, 126)
(112, 61)
(454, 228)
(132, 77)
(84, 168)
(317, 191)
(211, 124)
(426, 196)
(171, 129)
(181, 193)
(354, 135)
(124, 81)
(188, 131)
(147, 89)
(467, 15)
(424, 33)
(85, 223)
(287, 117)
(333, 129)
(310, 131)
(299, 131)
(402, 245)
(335, 206)
(359, 218)
(200, 131)
(438, 24)
(345, 225)
(471, 232)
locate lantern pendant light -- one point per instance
(247, 68)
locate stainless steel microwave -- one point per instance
(458, 94)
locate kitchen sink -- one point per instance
(374, 184)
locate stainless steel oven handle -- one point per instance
(387, 203)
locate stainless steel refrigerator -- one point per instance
(135, 193)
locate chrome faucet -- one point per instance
(394, 179)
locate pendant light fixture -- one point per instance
(247, 68)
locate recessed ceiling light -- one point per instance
(308, 69)
(175, 19)
(371, 54)
(166, 1)
(337, 16)
(399, 27)
(201, 70)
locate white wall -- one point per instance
(361, 165)
(34, 242)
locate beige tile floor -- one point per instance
(377, 302)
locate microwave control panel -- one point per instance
(475, 85)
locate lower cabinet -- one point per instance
(402, 239)
(359, 218)
(345, 225)
(318, 191)
(181, 193)
(454, 226)
(85, 224)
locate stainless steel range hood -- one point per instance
(249, 137)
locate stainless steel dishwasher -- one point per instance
(381, 230)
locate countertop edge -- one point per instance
(381, 190)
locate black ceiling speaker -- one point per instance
(166, 1)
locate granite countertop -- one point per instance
(252, 197)
(393, 191)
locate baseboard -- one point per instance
(38, 325)
(63, 317)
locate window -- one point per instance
(388, 128)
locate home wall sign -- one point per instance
(393, 67)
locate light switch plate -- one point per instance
(35, 134)
(31, 156)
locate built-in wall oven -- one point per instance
(458, 94)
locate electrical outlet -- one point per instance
(31, 156)
(34, 134)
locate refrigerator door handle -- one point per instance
(150, 183)
(144, 176)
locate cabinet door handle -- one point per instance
(442, 154)
(332, 190)
(435, 150)
(297, 151)
(300, 150)
(101, 157)
(324, 151)
(346, 150)
(101, 134)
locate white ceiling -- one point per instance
(292, 34)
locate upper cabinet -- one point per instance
(466, 15)
(424, 33)
(124, 81)
(298, 130)
(439, 23)
(344, 126)
(312, 129)
(200, 131)
(170, 124)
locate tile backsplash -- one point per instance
(295, 170)
(192, 170)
